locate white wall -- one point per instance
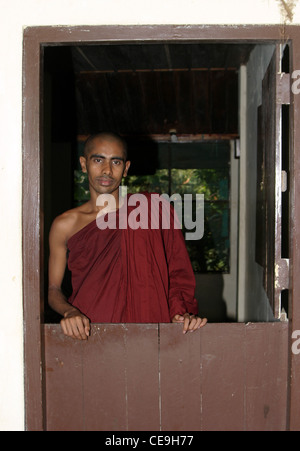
(14, 15)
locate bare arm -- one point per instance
(183, 305)
(74, 323)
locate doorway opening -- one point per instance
(189, 114)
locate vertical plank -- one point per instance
(222, 358)
(63, 369)
(180, 379)
(32, 234)
(266, 352)
(271, 122)
(142, 377)
(104, 379)
(294, 304)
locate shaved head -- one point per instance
(104, 136)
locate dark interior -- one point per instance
(144, 89)
(146, 92)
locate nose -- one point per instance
(107, 168)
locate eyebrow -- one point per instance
(96, 155)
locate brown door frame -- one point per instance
(34, 39)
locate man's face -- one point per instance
(105, 166)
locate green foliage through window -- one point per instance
(211, 253)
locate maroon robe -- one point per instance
(131, 276)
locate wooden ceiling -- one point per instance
(145, 89)
(150, 57)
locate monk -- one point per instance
(119, 274)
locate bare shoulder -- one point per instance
(68, 223)
(64, 225)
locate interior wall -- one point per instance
(217, 292)
(253, 302)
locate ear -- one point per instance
(127, 166)
(83, 163)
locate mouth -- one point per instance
(105, 181)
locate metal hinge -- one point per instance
(284, 181)
(282, 282)
(283, 91)
(282, 274)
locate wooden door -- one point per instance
(269, 184)
(151, 377)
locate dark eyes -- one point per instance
(114, 162)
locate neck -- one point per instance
(100, 202)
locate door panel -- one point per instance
(269, 184)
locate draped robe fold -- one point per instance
(131, 275)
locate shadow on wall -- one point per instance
(209, 293)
